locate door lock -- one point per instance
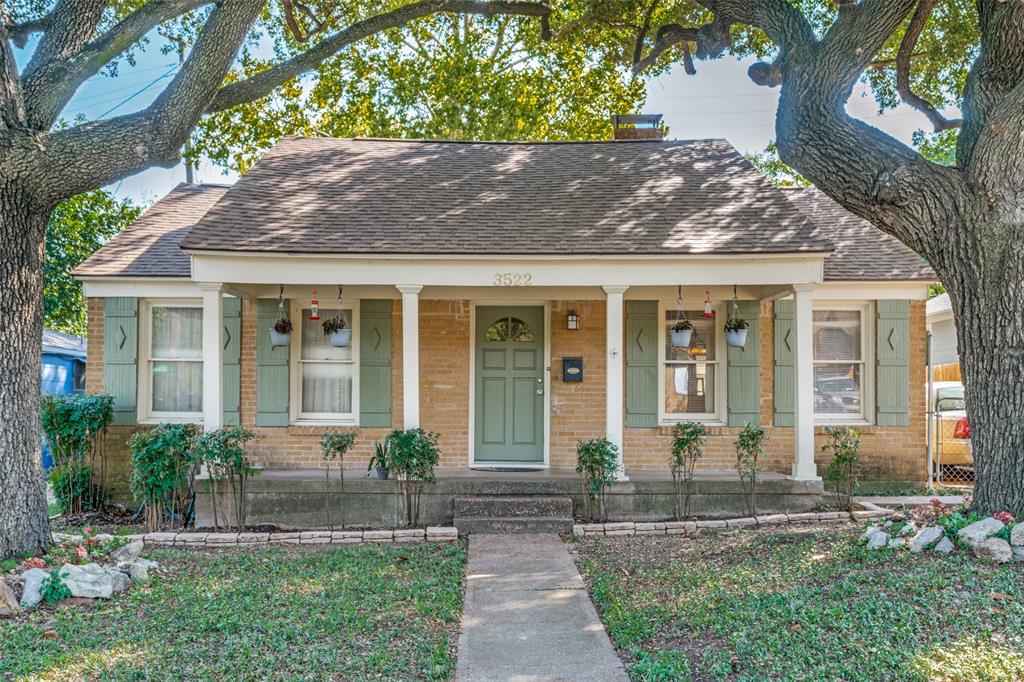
(540, 391)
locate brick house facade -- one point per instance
(146, 272)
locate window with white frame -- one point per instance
(840, 367)
(324, 387)
(690, 375)
(172, 366)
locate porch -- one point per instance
(302, 498)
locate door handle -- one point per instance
(540, 391)
(540, 380)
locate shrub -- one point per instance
(162, 471)
(72, 486)
(334, 324)
(381, 457)
(688, 439)
(75, 427)
(844, 445)
(223, 451)
(54, 588)
(749, 449)
(414, 454)
(597, 462)
(334, 445)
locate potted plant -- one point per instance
(380, 460)
(281, 333)
(736, 332)
(681, 333)
(337, 331)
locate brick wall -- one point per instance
(577, 409)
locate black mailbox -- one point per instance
(572, 369)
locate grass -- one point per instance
(358, 612)
(803, 604)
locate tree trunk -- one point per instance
(24, 524)
(989, 313)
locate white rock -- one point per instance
(878, 540)
(118, 579)
(1017, 535)
(1018, 553)
(90, 581)
(30, 596)
(61, 538)
(996, 549)
(944, 546)
(139, 572)
(908, 529)
(925, 537)
(897, 542)
(9, 607)
(871, 530)
(103, 537)
(980, 531)
(129, 552)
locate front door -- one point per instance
(509, 384)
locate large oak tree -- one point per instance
(967, 219)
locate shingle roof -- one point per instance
(63, 344)
(151, 246)
(862, 251)
(344, 196)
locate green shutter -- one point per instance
(271, 369)
(893, 357)
(784, 338)
(375, 362)
(744, 372)
(642, 331)
(120, 355)
(232, 353)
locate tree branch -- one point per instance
(12, 103)
(904, 57)
(19, 33)
(50, 89)
(263, 83)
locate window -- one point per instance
(172, 366)
(839, 364)
(325, 376)
(690, 375)
(509, 329)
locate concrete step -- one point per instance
(512, 506)
(468, 525)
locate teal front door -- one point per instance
(509, 384)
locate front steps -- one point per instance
(518, 514)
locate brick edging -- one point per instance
(306, 537)
(691, 527)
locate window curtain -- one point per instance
(177, 352)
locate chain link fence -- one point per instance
(951, 460)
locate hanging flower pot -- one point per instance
(337, 332)
(736, 332)
(281, 333)
(681, 334)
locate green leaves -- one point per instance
(161, 458)
(78, 227)
(71, 422)
(225, 447)
(336, 443)
(688, 440)
(413, 454)
(597, 460)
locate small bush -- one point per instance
(334, 445)
(223, 451)
(844, 445)
(162, 465)
(688, 439)
(413, 455)
(72, 486)
(75, 427)
(749, 450)
(597, 462)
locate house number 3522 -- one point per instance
(512, 279)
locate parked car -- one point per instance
(950, 408)
(962, 433)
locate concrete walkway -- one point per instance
(527, 615)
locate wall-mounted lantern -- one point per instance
(572, 321)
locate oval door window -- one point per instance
(509, 329)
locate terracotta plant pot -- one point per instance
(681, 338)
(278, 340)
(737, 338)
(341, 338)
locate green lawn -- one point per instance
(802, 604)
(361, 612)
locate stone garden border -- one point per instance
(306, 537)
(871, 511)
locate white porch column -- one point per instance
(410, 354)
(213, 355)
(803, 370)
(613, 377)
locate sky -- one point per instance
(720, 101)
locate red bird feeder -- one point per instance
(314, 308)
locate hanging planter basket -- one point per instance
(279, 339)
(681, 338)
(341, 338)
(681, 333)
(736, 338)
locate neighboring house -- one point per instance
(514, 298)
(63, 370)
(945, 357)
